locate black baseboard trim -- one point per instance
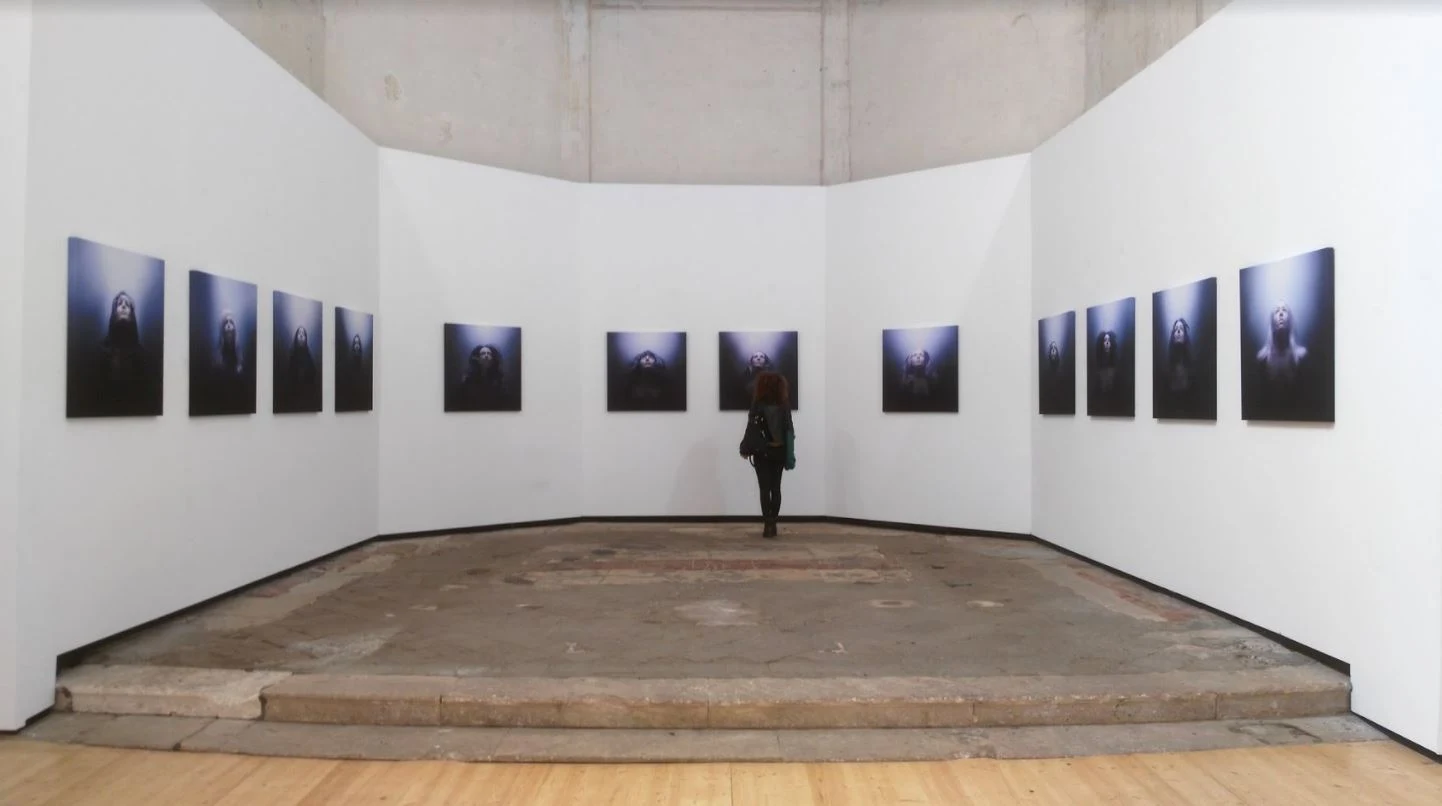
(1435, 758)
(928, 529)
(70, 659)
(1300, 648)
(467, 530)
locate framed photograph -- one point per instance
(1112, 359)
(1184, 352)
(1056, 364)
(745, 355)
(1288, 334)
(296, 368)
(919, 369)
(482, 368)
(115, 332)
(222, 345)
(646, 371)
(354, 360)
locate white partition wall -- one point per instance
(471, 245)
(159, 129)
(700, 260)
(950, 246)
(1274, 130)
(14, 130)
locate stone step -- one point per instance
(692, 704)
(561, 745)
(797, 703)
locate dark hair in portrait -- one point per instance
(1288, 333)
(1056, 364)
(919, 369)
(1111, 359)
(645, 371)
(115, 332)
(354, 362)
(222, 345)
(744, 356)
(296, 368)
(483, 368)
(1184, 352)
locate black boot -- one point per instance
(770, 530)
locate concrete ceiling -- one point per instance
(714, 91)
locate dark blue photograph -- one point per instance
(222, 345)
(745, 355)
(115, 339)
(296, 367)
(354, 363)
(1184, 352)
(919, 369)
(646, 371)
(1112, 359)
(1056, 364)
(1288, 334)
(483, 368)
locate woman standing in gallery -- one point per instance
(770, 443)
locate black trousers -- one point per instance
(768, 478)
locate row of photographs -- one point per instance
(115, 345)
(1287, 366)
(116, 341)
(646, 371)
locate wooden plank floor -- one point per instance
(1376, 772)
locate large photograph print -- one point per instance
(483, 368)
(296, 368)
(645, 371)
(1112, 359)
(1184, 352)
(222, 345)
(744, 356)
(354, 364)
(1288, 332)
(1056, 365)
(115, 332)
(919, 369)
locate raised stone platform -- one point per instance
(586, 745)
(958, 644)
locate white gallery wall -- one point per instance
(1276, 129)
(159, 129)
(466, 244)
(700, 260)
(950, 246)
(14, 130)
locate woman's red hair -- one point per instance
(772, 388)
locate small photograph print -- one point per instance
(1288, 334)
(919, 369)
(296, 368)
(354, 363)
(115, 332)
(1112, 359)
(483, 368)
(222, 345)
(745, 355)
(1184, 352)
(646, 371)
(1056, 364)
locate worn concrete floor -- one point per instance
(669, 601)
